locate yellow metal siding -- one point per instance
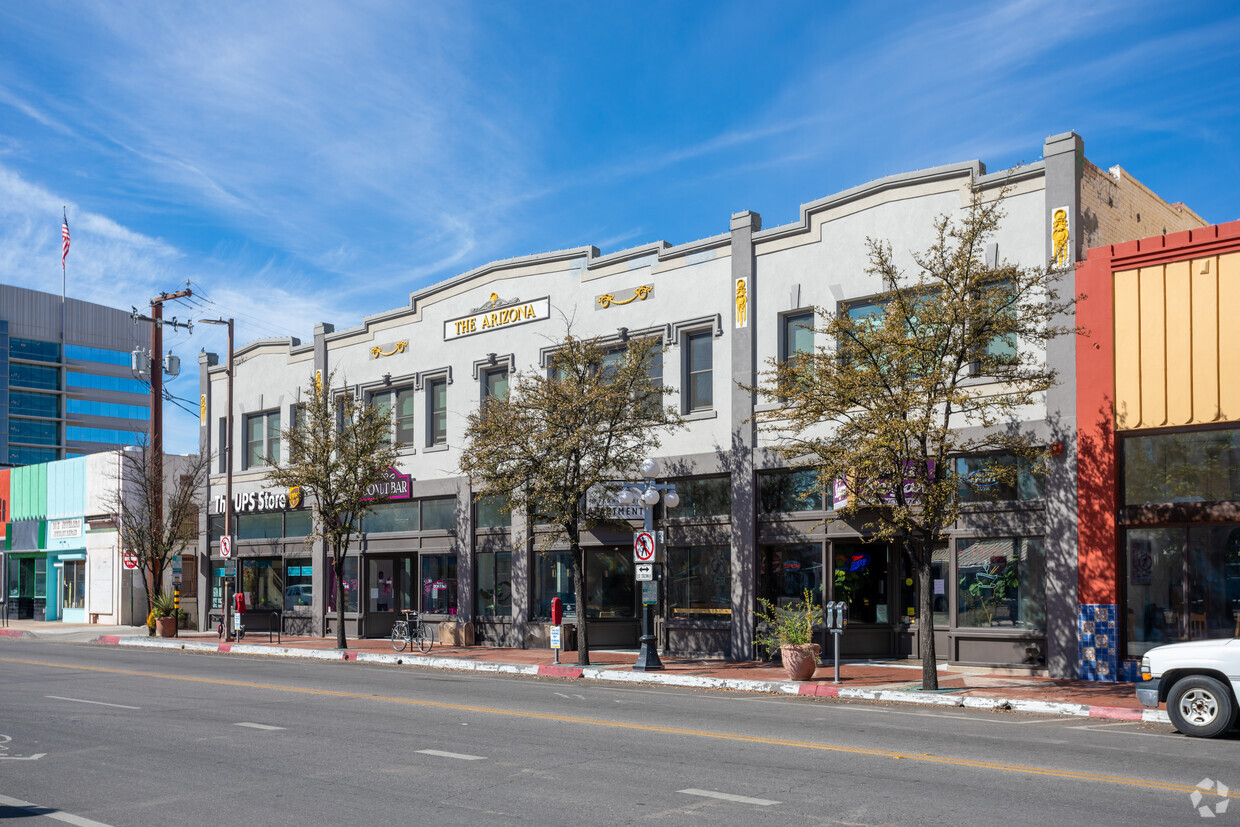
(1177, 343)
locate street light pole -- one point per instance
(227, 448)
(648, 654)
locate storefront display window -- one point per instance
(298, 589)
(787, 492)
(494, 573)
(262, 582)
(388, 517)
(217, 585)
(610, 588)
(382, 583)
(1186, 467)
(1001, 583)
(298, 524)
(699, 581)
(860, 575)
(786, 571)
(439, 584)
(553, 578)
(74, 573)
(940, 567)
(350, 584)
(1183, 583)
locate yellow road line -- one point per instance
(697, 733)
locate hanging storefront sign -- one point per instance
(393, 486)
(64, 529)
(495, 314)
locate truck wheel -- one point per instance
(1201, 706)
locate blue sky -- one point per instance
(314, 161)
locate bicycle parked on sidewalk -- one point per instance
(411, 632)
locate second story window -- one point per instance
(262, 439)
(495, 384)
(437, 412)
(397, 408)
(699, 373)
(798, 334)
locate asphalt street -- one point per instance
(132, 737)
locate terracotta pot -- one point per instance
(166, 626)
(799, 661)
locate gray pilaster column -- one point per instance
(744, 322)
(465, 553)
(1064, 156)
(319, 579)
(522, 571)
(206, 447)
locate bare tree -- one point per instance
(157, 535)
(879, 410)
(593, 416)
(339, 450)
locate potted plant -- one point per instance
(163, 617)
(790, 630)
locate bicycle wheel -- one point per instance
(400, 635)
(422, 637)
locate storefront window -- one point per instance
(940, 567)
(489, 513)
(494, 572)
(298, 591)
(260, 526)
(217, 585)
(699, 581)
(998, 478)
(786, 571)
(381, 574)
(1183, 584)
(350, 584)
(553, 578)
(439, 514)
(262, 582)
(1001, 583)
(787, 492)
(702, 497)
(298, 524)
(74, 573)
(439, 584)
(388, 517)
(861, 581)
(40, 577)
(1191, 467)
(610, 588)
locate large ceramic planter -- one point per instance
(166, 626)
(799, 661)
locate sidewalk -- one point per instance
(882, 681)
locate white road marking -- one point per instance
(84, 701)
(37, 810)
(258, 726)
(456, 755)
(741, 799)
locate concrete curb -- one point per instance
(1119, 713)
(15, 633)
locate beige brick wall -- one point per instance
(1116, 207)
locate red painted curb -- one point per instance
(827, 690)
(108, 640)
(350, 654)
(561, 671)
(1123, 713)
(12, 633)
(225, 647)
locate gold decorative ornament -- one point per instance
(294, 496)
(318, 381)
(642, 292)
(1059, 237)
(399, 347)
(742, 302)
(202, 408)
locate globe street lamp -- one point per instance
(649, 494)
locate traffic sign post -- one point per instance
(645, 571)
(129, 559)
(644, 547)
(226, 546)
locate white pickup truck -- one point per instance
(1200, 682)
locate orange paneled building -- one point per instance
(1158, 452)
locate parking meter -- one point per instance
(557, 611)
(836, 619)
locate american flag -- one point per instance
(64, 241)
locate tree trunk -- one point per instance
(924, 567)
(579, 590)
(338, 567)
